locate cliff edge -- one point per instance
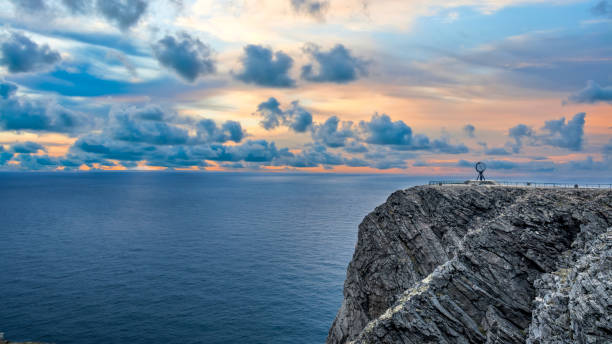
(481, 264)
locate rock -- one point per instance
(475, 264)
(4, 341)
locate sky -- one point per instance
(353, 86)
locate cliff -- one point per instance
(481, 264)
(4, 341)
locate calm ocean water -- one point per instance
(178, 257)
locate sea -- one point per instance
(171, 257)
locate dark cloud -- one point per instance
(4, 156)
(256, 151)
(469, 130)
(124, 13)
(272, 114)
(37, 162)
(209, 131)
(105, 148)
(295, 117)
(20, 54)
(315, 8)
(333, 133)
(381, 130)
(602, 8)
(299, 119)
(313, 155)
(497, 151)
(78, 6)
(555, 133)
(27, 147)
(30, 5)
(519, 133)
(355, 146)
(125, 125)
(443, 146)
(153, 125)
(151, 135)
(189, 57)
(336, 65)
(592, 93)
(21, 113)
(356, 162)
(565, 135)
(607, 150)
(174, 157)
(262, 67)
(7, 89)
(388, 164)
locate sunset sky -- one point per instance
(417, 87)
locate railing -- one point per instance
(525, 184)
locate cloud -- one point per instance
(444, 146)
(143, 125)
(27, 147)
(388, 164)
(592, 93)
(4, 156)
(158, 137)
(78, 6)
(209, 131)
(565, 135)
(315, 8)
(355, 146)
(189, 57)
(556, 133)
(469, 130)
(333, 133)
(606, 152)
(20, 54)
(30, 5)
(262, 67)
(603, 8)
(124, 13)
(518, 133)
(110, 149)
(295, 117)
(256, 151)
(116, 55)
(336, 65)
(37, 162)
(153, 125)
(21, 113)
(7, 89)
(497, 151)
(271, 112)
(313, 155)
(381, 130)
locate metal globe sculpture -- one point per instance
(480, 168)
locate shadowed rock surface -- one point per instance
(481, 264)
(4, 341)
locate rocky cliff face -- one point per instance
(4, 341)
(481, 264)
